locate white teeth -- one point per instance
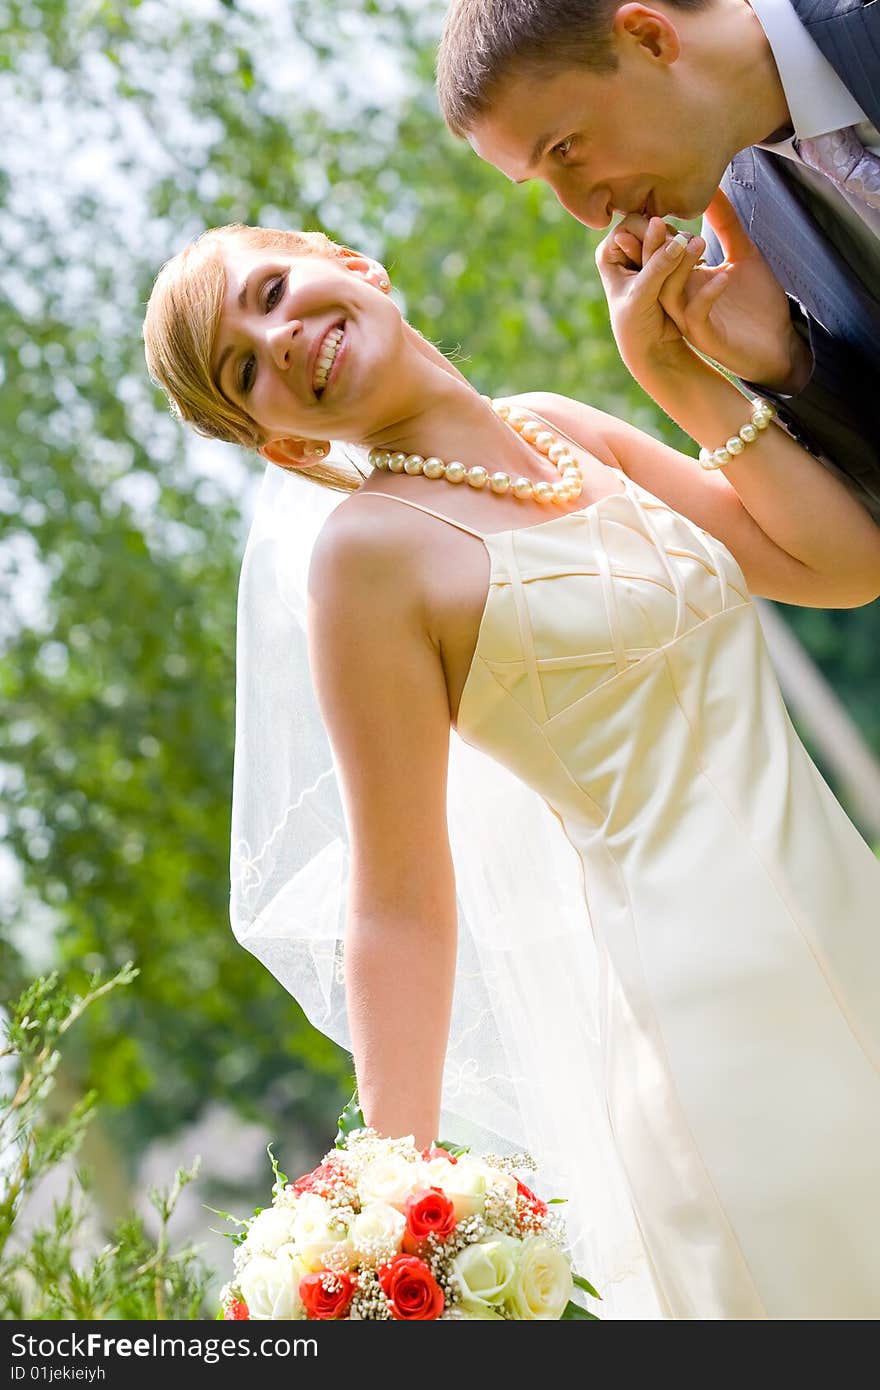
(326, 358)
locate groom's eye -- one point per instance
(563, 149)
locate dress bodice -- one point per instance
(582, 610)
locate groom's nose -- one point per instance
(593, 207)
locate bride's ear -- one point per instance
(292, 452)
(372, 271)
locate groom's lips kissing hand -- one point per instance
(639, 206)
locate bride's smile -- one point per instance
(328, 353)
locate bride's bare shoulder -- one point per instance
(367, 624)
(363, 553)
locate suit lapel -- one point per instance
(848, 33)
(799, 253)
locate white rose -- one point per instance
(484, 1271)
(463, 1182)
(391, 1179)
(473, 1312)
(319, 1234)
(270, 1286)
(376, 1233)
(542, 1284)
(273, 1227)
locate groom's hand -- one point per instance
(737, 313)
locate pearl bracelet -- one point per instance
(762, 413)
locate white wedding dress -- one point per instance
(621, 672)
(668, 985)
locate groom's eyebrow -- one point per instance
(540, 146)
(536, 155)
(537, 150)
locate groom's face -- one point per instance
(605, 143)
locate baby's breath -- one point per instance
(511, 1163)
(286, 1198)
(365, 1145)
(553, 1228)
(500, 1212)
(369, 1301)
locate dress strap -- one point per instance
(375, 492)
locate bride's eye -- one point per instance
(246, 375)
(274, 292)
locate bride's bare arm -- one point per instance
(796, 532)
(383, 697)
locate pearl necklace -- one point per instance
(534, 432)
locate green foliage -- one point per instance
(46, 1273)
(455, 1149)
(280, 1179)
(574, 1312)
(350, 1121)
(585, 1284)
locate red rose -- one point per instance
(428, 1212)
(531, 1209)
(323, 1180)
(236, 1310)
(411, 1289)
(326, 1295)
(434, 1151)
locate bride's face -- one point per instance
(309, 346)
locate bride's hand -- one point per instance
(635, 262)
(736, 313)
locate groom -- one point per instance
(644, 108)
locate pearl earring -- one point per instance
(315, 451)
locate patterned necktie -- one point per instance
(842, 158)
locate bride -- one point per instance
(668, 957)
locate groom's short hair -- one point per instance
(487, 42)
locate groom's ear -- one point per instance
(650, 30)
(292, 452)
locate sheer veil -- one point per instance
(524, 1063)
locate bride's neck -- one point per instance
(448, 417)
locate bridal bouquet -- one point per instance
(382, 1230)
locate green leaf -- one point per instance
(350, 1121)
(280, 1178)
(455, 1149)
(237, 1237)
(585, 1284)
(574, 1312)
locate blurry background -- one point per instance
(127, 129)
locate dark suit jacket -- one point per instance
(838, 413)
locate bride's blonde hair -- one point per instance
(180, 331)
